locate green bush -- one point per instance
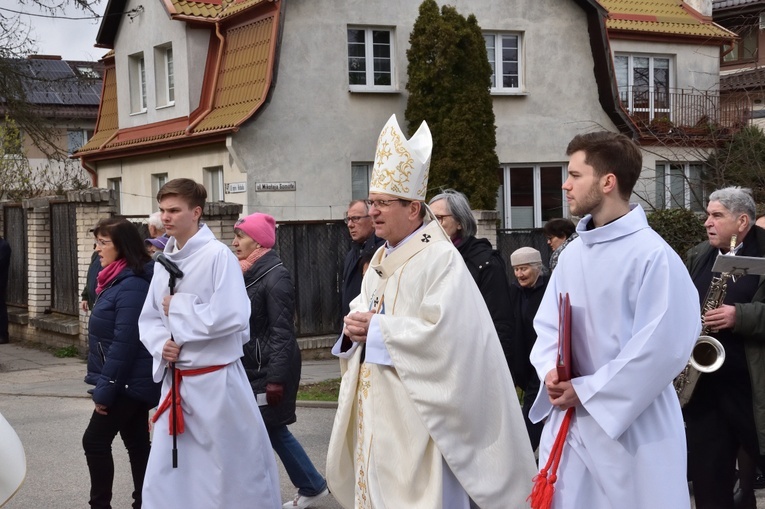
(680, 228)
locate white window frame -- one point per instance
(369, 59)
(157, 181)
(213, 179)
(506, 205)
(497, 84)
(663, 176)
(137, 75)
(652, 110)
(116, 185)
(357, 168)
(164, 72)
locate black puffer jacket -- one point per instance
(524, 304)
(488, 270)
(272, 355)
(118, 363)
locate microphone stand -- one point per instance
(173, 390)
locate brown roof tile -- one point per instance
(243, 81)
(665, 17)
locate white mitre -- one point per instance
(401, 165)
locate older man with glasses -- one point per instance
(363, 246)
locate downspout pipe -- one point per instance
(92, 171)
(218, 61)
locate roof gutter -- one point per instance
(216, 72)
(91, 170)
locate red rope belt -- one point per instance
(544, 484)
(168, 401)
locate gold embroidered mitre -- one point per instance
(401, 165)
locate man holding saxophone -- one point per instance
(727, 410)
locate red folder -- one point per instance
(563, 363)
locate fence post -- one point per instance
(220, 218)
(91, 205)
(487, 225)
(38, 255)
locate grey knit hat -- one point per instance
(525, 256)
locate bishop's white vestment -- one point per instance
(431, 417)
(635, 319)
(225, 458)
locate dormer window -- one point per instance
(165, 76)
(137, 74)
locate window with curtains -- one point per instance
(679, 185)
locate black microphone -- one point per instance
(171, 267)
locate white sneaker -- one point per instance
(302, 502)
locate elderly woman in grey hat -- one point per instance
(485, 264)
(525, 296)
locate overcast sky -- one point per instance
(71, 39)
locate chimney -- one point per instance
(703, 7)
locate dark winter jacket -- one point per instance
(272, 355)
(488, 270)
(353, 268)
(749, 326)
(89, 292)
(118, 363)
(524, 304)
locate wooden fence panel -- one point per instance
(314, 252)
(65, 295)
(15, 222)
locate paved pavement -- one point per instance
(45, 400)
(31, 371)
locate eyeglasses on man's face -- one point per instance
(382, 204)
(354, 219)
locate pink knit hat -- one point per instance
(259, 227)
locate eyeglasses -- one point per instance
(441, 217)
(102, 242)
(382, 204)
(354, 219)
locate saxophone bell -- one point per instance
(708, 354)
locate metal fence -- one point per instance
(314, 253)
(64, 267)
(15, 221)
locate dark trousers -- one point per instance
(716, 428)
(534, 430)
(129, 418)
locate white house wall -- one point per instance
(136, 173)
(313, 128)
(147, 30)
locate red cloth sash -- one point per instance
(168, 401)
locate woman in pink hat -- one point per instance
(272, 356)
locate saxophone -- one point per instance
(708, 353)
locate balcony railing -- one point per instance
(683, 113)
